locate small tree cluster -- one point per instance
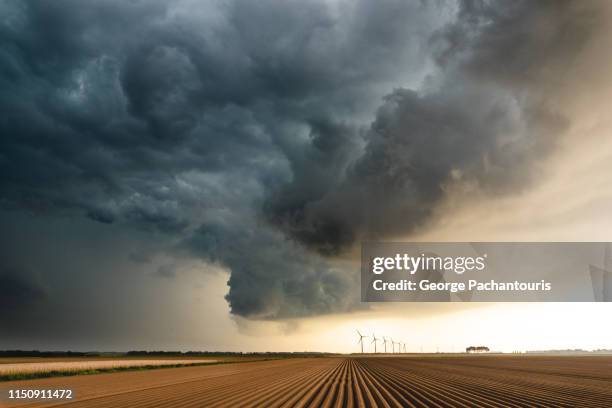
(477, 349)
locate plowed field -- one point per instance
(470, 381)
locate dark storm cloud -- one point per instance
(16, 293)
(252, 134)
(271, 275)
(485, 119)
(20, 293)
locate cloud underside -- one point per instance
(271, 137)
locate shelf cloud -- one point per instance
(271, 137)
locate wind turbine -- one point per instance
(374, 340)
(404, 347)
(385, 343)
(361, 337)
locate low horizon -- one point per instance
(194, 173)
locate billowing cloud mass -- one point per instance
(270, 137)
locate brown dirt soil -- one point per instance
(469, 381)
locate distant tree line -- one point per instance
(136, 353)
(141, 353)
(36, 353)
(476, 349)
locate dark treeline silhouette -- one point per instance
(36, 353)
(142, 353)
(136, 353)
(476, 349)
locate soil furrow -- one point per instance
(368, 381)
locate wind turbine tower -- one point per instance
(385, 343)
(374, 340)
(361, 337)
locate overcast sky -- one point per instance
(185, 173)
